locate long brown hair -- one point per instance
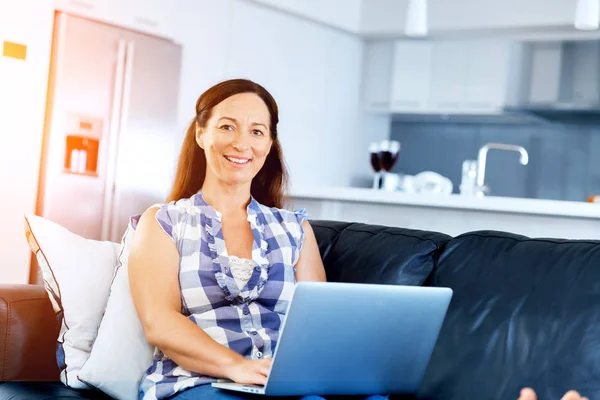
(268, 186)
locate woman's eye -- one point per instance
(227, 127)
(257, 132)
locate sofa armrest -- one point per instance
(28, 333)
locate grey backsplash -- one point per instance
(564, 157)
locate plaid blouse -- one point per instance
(246, 320)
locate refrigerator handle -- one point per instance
(115, 228)
(115, 126)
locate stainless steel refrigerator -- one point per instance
(109, 148)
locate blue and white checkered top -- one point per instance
(246, 320)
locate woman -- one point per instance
(212, 271)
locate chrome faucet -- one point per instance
(482, 159)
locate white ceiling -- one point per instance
(386, 18)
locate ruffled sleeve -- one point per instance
(168, 217)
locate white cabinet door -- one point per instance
(378, 64)
(487, 75)
(155, 17)
(114, 12)
(93, 9)
(449, 76)
(411, 76)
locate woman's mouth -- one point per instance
(238, 161)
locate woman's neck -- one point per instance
(227, 199)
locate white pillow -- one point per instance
(77, 274)
(120, 355)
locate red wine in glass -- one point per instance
(388, 159)
(376, 162)
(388, 155)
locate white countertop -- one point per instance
(455, 201)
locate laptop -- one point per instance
(353, 339)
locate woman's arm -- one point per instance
(310, 266)
(154, 281)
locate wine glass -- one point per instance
(388, 154)
(375, 163)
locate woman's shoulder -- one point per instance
(176, 208)
(171, 212)
(284, 215)
(172, 216)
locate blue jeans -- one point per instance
(207, 392)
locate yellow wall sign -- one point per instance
(14, 50)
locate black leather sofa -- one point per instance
(525, 312)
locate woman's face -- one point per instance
(237, 138)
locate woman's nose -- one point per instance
(240, 146)
(240, 143)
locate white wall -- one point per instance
(203, 30)
(23, 86)
(342, 14)
(314, 73)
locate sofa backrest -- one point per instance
(28, 332)
(525, 312)
(363, 253)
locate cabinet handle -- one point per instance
(407, 103)
(147, 22)
(83, 4)
(448, 104)
(481, 104)
(378, 104)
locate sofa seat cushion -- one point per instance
(362, 253)
(524, 313)
(45, 391)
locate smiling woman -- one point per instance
(212, 271)
(223, 134)
(235, 145)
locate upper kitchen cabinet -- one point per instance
(448, 73)
(154, 17)
(93, 9)
(397, 76)
(561, 75)
(410, 87)
(440, 77)
(378, 67)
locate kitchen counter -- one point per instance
(454, 214)
(455, 201)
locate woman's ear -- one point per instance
(199, 136)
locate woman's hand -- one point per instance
(529, 394)
(252, 372)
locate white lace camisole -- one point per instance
(241, 269)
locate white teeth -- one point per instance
(238, 160)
